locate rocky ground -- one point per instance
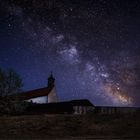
(76, 127)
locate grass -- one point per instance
(69, 126)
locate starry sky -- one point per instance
(92, 47)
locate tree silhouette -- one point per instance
(10, 82)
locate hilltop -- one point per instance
(70, 126)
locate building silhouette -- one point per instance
(42, 95)
(45, 100)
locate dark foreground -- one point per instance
(74, 127)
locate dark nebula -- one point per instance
(92, 47)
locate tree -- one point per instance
(10, 82)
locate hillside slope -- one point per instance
(70, 126)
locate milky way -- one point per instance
(92, 47)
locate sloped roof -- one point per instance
(57, 108)
(33, 93)
(82, 102)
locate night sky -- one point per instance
(92, 47)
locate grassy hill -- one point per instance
(70, 126)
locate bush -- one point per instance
(12, 106)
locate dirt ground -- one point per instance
(74, 127)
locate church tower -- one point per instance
(51, 80)
(52, 97)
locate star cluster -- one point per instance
(92, 47)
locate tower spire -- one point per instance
(52, 97)
(51, 80)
